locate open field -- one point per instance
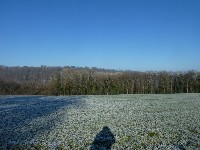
(104, 122)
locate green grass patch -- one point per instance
(153, 134)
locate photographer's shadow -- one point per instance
(103, 140)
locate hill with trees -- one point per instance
(70, 80)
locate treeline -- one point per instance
(93, 81)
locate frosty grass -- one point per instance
(72, 122)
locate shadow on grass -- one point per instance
(103, 140)
(22, 116)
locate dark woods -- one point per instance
(93, 81)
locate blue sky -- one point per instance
(116, 34)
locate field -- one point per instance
(100, 122)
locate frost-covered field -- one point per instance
(89, 122)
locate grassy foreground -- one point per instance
(100, 122)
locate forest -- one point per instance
(71, 80)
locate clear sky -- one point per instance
(139, 35)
